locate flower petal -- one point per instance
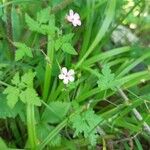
(61, 76)
(76, 16)
(78, 22)
(71, 72)
(71, 78)
(71, 13)
(69, 18)
(66, 81)
(74, 23)
(64, 70)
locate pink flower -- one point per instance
(74, 18)
(66, 76)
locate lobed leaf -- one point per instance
(68, 48)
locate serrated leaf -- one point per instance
(16, 79)
(12, 95)
(107, 79)
(22, 50)
(32, 24)
(47, 29)
(43, 15)
(63, 40)
(67, 38)
(19, 55)
(68, 48)
(27, 79)
(6, 111)
(30, 96)
(55, 112)
(58, 44)
(28, 52)
(23, 89)
(86, 123)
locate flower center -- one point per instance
(66, 75)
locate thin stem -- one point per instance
(135, 111)
(48, 72)
(125, 139)
(9, 28)
(3, 83)
(31, 126)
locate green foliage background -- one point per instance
(108, 104)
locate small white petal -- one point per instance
(71, 13)
(71, 78)
(64, 70)
(76, 16)
(65, 81)
(61, 76)
(78, 22)
(74, 23)
(69, 18)
(71, 72)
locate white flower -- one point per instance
(66, 76)
(74, 18)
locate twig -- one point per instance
(125, 139)
(135, 111)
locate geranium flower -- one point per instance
(66, 76)
(74, 18)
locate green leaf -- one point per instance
(110, 12)
(43, 15)
(55, 112)
(123, 122)
(107, 79)
(3, 145)
(139, 145)
(68, 48)
(63, 40)
(27, 79)
(43, 130)
(104, 56)
(19, 55)
(16, 79)
(86, 123)
(22, 50)
(30, 96)
(12, 95)
(47, 29)
(6, 111)
(67, 38)
(58, 44)
(32, 24)
(23, 89)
